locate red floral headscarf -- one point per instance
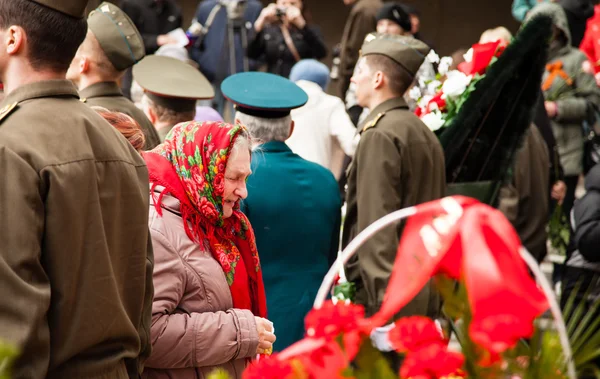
(191, 164)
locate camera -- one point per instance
(280, 12)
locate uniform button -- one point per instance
(120, 24)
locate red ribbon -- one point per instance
(482, 56)
(466, 240)
(475, 243)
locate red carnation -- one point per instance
(328, 361)
(219, 184)
(411, 333)
(419, 111)
(268, 368)
(332, 319)
(431, 362)
(497, 333)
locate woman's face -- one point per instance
(386, 26)
(290, 3)
(236, 173)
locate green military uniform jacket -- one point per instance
(398, 163)
(524, 201)
(109, 96)
(361, 21)
(75, 253)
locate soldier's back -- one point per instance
(74, 228)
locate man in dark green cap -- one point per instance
(112, 45)
(75, 257)
(170, 98)
(293, 204)
(398, 163)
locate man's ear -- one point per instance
(291, 128)
(378, 80)
(14, 40)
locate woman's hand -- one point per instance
(266, 336)
(294, 17)
(267, 16)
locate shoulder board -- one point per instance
(6, 110)
(83, 99)
(373, 123)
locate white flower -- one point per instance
(468, 55)
(434, 86)
(415, 93)
(433, 120)
(424, 101)
(455, 84)
(433, 57)
(444, 65)
(422, 82)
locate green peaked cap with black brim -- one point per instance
(480, 143)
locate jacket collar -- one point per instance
(388, 105)
(100, 90)
(275, 147)
(46, 88)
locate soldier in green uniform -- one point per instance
(398, 163)
(171, 89)
(75, 252)
(112, 45)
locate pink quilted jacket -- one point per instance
(195, 330)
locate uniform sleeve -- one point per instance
(378, 193)
(146, 324)
(24, 285)
(342, 128)
(335, 234)
(182, 340)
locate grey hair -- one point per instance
(242, 141)
(266, 129)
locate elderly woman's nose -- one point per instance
(242, 191)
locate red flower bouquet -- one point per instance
(490, 299)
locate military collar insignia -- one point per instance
(83, 100)
(7, 109)
(373, 123)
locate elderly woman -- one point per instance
(209, 300)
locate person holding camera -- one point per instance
(284, 37)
